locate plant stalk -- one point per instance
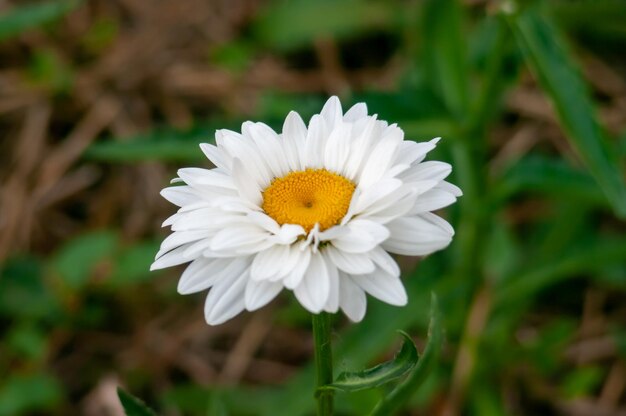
(323, 362)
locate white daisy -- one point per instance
(313, 209)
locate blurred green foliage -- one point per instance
(30, 16)
(461, 66)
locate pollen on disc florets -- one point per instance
(308, 197)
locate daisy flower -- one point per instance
(314, 209)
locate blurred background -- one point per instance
(102, 100)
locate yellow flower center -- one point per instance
(308, 197)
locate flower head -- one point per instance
(315, 209)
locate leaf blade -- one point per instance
(551, 63)
(444, 53)
(402, 392)
(380, 374)
(132, 405)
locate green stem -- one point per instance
(323, 362)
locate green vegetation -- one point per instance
(528, 97)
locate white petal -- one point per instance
(332, 304)
(365, 131)
(251, 248)
(288, 233)
(422, 186)
(196, 205)
(226, 299)
(203, 178)
(352, 299)
(268, 263)
(207, 219)
(338, 148)
(351, 208)
(384, 261)
(216, 156)
(194, 250)
(394, 206)
(294, 277)
(264, 221)
(395, 170)
(453, 189)
(204, 273)
(412, 152)
(259, 294)
(350, 262)
(438, 221)
(430, 170)
(313, 290)
(432, 200)
(180, 195)
(241, 235)
(237, 146)
(357, 111)
(379, 191)
(315, 143)
(333, 232)
(383, 286)
(290, 263)
(235, 204)
(417, 236)
(270, 148)
(363, 236)
(381, 157)
(172, 258)
(247, 187)
(180, 238)
(294, 136)
(332, 112)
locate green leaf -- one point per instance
(188, 398)
(27, 340)
(358, 346)
(136, 150)
(552, 64)
(132, 264)
(233, 56)
(380, 374)
(24, 292)
(444, 53)
(402, 393)
(28, 393)
(582, 382)
(101, 34)
(603, 21)
(496, 58)
(289, 25)
(76, 260)
(22, 18)
(132, 405)
(587, 258)
(48, 69)
(166, 144)
(553, 177)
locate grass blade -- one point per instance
(551, 177)
(444, 53)
(589, 258)
(551, 63)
